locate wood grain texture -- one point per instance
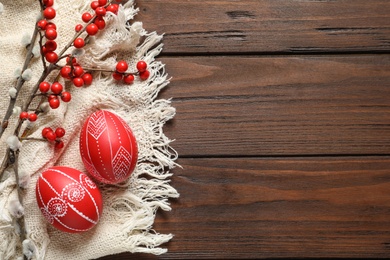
(286, 207)
(262, 106)
(227, 26)
(282, 127)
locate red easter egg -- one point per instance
(108, 147)
(69, 199)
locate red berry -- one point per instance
(79, 43)
(50, 45)
(87, 78)
(23, 115)
(113, 8)
(51, 25)
(141, 66)
(128, 79)
(100, 11)
(44, 50)
(102, 2)
(99, 21)
(54, 103)
(51, 57)
(32, 117)
(69, 58)
(121, 66)
(78, 27)
(78, 71)
(49, 13)
(59, 145)
(94, 5)
(50, 97)
(78, 82)
(60, 132)
(117, 76)
(42, 24)
(45, 131)
(65, 72)
(144, 75)
(86, 17)
(66, 96)
(44, 86)
(48, 3)
(51, 136)
(56, 88)
(92, 29)
(50, 34)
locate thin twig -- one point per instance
(4, 164)
(42, 54)
(109, 71)
(21, 220)
(33, 139)
(19, 83)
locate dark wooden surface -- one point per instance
(282, 127)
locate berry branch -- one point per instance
(19, 84)
(52, 93)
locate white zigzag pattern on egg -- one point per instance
(97, 124)
(121, 163)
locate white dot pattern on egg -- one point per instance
(68, 199)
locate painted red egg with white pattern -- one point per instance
(108, 147)
(68, 199)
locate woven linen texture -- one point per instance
(129, 208)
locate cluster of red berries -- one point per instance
(32, 117)
(56, 90)
(98, 23)
(50, 30)
(128, 78)
(54, 136)
(74, 72)
(95, 22)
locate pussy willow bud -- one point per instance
(16, 209)
(12, 92)
(27, 75)
(26, 40)
(16, 111)
(14, 143)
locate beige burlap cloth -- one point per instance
(129, 209)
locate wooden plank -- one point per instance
(255, 106)
(268, 26)
(269, 207)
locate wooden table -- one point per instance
(282, 127)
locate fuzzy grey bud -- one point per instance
(27, 75)
(16, 111)
(14, 143)
(36, 51)
(28, 249)
(16, 209)
(12, 92)
(45, 107)
(17, 73)
(77, 52)
(26, 39)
